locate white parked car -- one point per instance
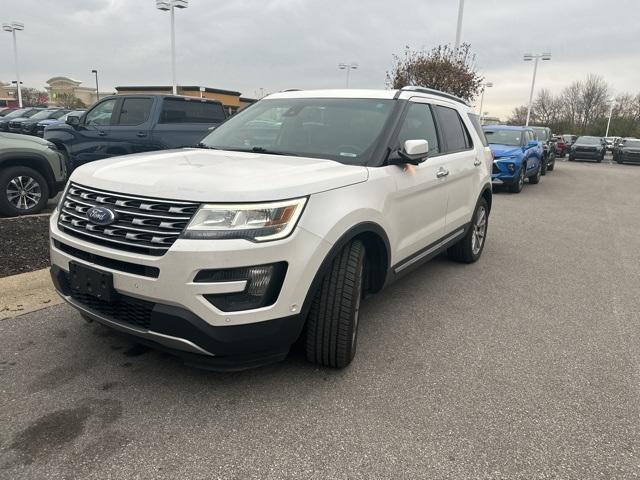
(288, 214)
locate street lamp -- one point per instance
(484, 87)
(527, 58)
(459, 28)
(13, 27)
(613, 103)
(348, 67)
(95, 72)
(170, 6)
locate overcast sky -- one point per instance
(246, 45)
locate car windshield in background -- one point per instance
(632, 143)
(341, 129)
(589, 140)
(44, 114)
(16, 113)
(541, 133)
(504, 137)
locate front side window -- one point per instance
(101, 114)
(340, 129)
(419, 125)
(134, 111)
(455, 134)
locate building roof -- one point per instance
(144, 88)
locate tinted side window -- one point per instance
(101, 114)
(418, 125)
(176, 110)
(475, 121)
(455, 134)
(134, 111)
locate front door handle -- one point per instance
(477, 163)
(141, 134)
(443, 172)
(102, 134)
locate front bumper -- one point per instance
(586, 154)
(176, 302)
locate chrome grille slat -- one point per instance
(145, 225)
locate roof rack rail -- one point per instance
(432, 91)
(291, 90)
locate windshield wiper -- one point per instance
(248, 150)
(271, 152)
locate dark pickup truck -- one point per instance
(123, 124)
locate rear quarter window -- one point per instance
(456, 136)
(177, 110)
(475, 121)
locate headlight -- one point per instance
(257, 222)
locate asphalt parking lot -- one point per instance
(525, 365)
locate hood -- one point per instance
(16, 137)
(201, 175)
(587, 145)
(49, 121)
(631, 149)
(505, 150)
(16, 119)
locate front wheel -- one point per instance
(23, 191)
(551, 166)
(535, 179)
(332, 324)
(519, 184)
(469, 248)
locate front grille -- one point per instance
(125, 309)
(142, 225)
(15, 124)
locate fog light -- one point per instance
(263, 286)
(511, 167)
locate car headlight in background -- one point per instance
(257, 222)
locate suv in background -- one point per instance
(286, 217)
(543, 134)
(628, 151)
(20, 114)
(517, 156)
(122, 124)
(587, 147)
(560, 145)
(29, 126)
(32, 171)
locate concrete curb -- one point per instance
(26, 292)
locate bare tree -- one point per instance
(442, 68)
(595, 100)
(519, 116)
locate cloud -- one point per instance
(274, 44)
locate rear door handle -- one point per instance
(141, 134)
(102, 134)
(477, 163)
(443, 172)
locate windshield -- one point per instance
(632, 143)
(341, 129)
(541, 133)
(17, 113)
(504, 137)
(43, 114)
(589, 140)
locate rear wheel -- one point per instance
(469, 249)
(23, 191)
(332, 324)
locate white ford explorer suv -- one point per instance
(276, 226)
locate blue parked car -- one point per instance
(39, 131)
(517, 156)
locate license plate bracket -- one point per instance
(90, 281)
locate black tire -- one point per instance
(571, 159)
(10, 205)
(535, 178)
(332, 323)
(465, 250)
(519, 184)
(543, 167)
(552, 166)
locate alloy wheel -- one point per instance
(23, 192)
(479, 230)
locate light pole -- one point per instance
(459, 28)
(613, 103)
(13, 27)
(171, 5)
(484, 87)
(527, 58)
(348, 67)
(95, 72)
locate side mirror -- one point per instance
(414, 152)
(73, 120)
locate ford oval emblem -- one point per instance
(101, 215)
